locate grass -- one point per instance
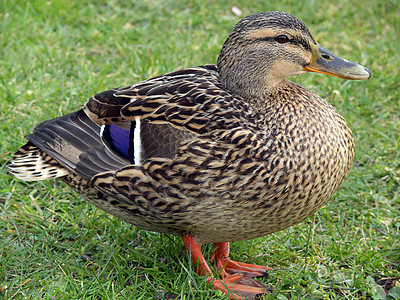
(54, 245)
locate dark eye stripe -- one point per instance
(295, 41)
(264, 39)
(303, 43)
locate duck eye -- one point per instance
(282, 39)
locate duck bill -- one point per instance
(322, 61)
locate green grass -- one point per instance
(54, 245)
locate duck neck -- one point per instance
(254, 89)
(251, 82)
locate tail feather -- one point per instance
(30, 163)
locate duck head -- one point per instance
(265, 48)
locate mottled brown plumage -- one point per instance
(227, 152)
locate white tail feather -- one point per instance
(31, 164)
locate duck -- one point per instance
(213, 154)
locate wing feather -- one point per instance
(192, 100)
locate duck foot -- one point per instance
(237, 281)
(228, 267)
(239, 286)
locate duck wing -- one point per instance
(192, 99)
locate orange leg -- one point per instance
(236, 286)
(227, 266)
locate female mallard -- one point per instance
(216, 153)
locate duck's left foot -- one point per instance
(237, 281)
(228, 267)
(239, 286)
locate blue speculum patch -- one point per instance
(118, 138)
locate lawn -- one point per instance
(54, 245)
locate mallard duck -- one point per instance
(216, 153)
